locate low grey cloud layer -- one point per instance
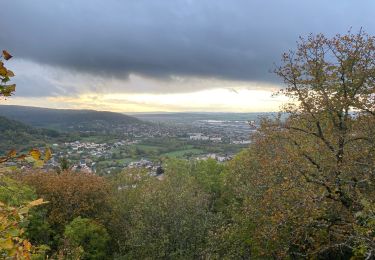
(226, 39)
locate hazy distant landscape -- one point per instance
(186, 118)
(106, 142)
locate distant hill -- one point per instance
(186, 117)
(16, 135)
(66, 119)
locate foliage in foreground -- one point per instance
(88, 236)
(14, 212)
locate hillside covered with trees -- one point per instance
(303, 189)
(66, 119)
(15, 134)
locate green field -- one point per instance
(148, 148)
(182, 153)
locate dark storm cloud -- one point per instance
(227, 39)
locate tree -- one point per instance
(71, 195)
(314, 174)
(160, 219)
(89, 235)
(331, 128)
(64, 164)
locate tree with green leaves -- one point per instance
(163, 218)
(91, 237)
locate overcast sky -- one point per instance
(160, 55)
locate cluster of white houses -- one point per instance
(217, 157)
(202, 137)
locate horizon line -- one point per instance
(143, 112)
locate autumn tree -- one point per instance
(71, 195)
(313, 172)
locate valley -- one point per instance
(105, 142)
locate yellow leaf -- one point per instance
(35, 153)
(47, 155)
(6, 243)
(23, 210)
(6, 55)
(39, 163)
(3, 70)
(36, 202)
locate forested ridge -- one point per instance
(18, 135)
(63, 118)
(303, 189)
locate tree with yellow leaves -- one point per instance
(309, 179)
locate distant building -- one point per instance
(142, 163)
(242, 142)
(199, 137)
(214, 156)
(215, 139)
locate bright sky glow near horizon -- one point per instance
(221, 101)
(172, 55)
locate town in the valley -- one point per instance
(146, 146)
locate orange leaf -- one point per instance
(10, 73)
(27, 245)
(36, 202)
(21, 157)
(6, 55)
(12, 153)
